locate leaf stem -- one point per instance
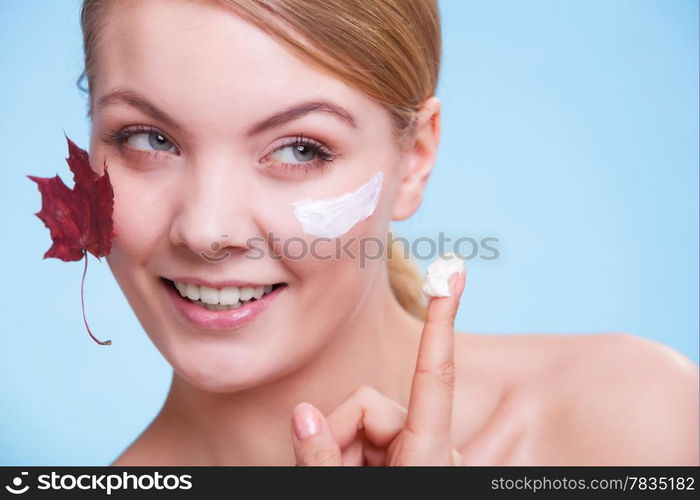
(82, 301)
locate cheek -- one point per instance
(329, 275)
(347, 258)
(141, 213)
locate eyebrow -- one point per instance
(299, 110)
(136, 100)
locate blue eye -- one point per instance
(155, 140)
(143, 140)
(296, 152)
(299, 156)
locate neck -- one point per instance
(377, 347)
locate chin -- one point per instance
(216, 382)
(220, 367)
(212, 378)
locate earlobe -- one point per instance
(419, 160)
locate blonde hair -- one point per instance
(388, 49)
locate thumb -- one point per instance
(314, 442)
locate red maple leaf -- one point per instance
(79, 219)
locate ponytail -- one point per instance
(405, 280)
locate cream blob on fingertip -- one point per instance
(333, 217)
(436, 282)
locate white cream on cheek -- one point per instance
(333, 217)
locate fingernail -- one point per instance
(306, 421)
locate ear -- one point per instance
(418, 160)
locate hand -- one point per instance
(368, 428)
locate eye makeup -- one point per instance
(274, 162)
(119, 138)
(322, 155)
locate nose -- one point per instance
(213, 217)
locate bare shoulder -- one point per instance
(598, 399)
(498, 384)
(631, 401)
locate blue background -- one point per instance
(570, 132)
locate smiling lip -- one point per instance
(220, 320)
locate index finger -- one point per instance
(432, 389)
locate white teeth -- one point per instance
(218, 307)
(229, 295)
(219, 299)
(192, 292)
(208, 295)
(246, 293)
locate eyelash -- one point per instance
(324, 156)
(119, 137)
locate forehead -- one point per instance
(205, 62)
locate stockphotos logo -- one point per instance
(17, 487)
(103, 482)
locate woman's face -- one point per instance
(204, 182)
